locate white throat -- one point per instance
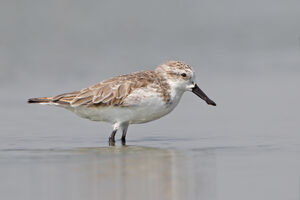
(176, 93)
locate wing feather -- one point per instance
(111, 92)
(81, 101)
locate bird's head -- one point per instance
(182, 77)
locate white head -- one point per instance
(181, 76)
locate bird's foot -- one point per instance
(123, 140)
(111, 141)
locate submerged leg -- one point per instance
(111, 138)
(116, 126)
(125, 128)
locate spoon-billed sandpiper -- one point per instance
(131, 99)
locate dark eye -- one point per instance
(183, 74)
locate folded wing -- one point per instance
(107, 93)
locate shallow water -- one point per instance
(211, 167)
(135, 172)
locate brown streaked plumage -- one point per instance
(111, 92)
(133, 98)
(178, 64)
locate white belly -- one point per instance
(142, 110)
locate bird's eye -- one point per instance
(183, 74)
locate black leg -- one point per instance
(111, 139)
(123, 141)
(124, 136)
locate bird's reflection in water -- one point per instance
(133, 172)
(118, 172)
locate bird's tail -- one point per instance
(45, 100)
(61, 100)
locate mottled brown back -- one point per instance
(111, 92)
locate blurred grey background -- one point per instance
(246, 55)
(98, 39)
